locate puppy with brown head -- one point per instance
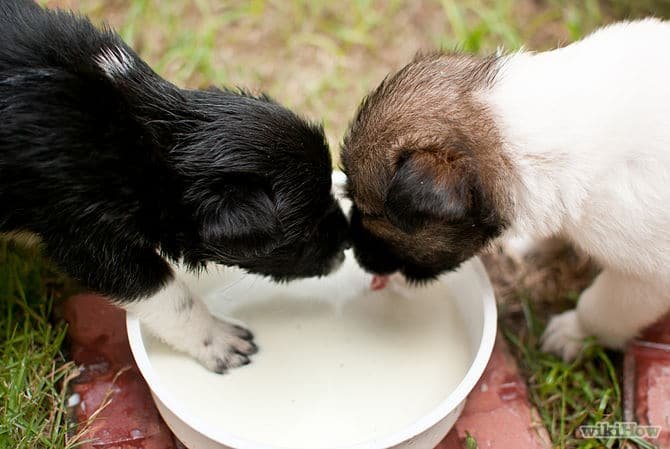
(425, 169)
(455, 151)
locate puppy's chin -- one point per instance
(419, 262)
(420, 275)
(286, 270)
(413, 272)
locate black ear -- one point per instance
(423, 189)
(240, 218)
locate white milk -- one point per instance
(338, 365)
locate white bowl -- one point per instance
(469, 288)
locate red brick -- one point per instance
(497, 413)
(647, 380)
(659, 332)
(99, 346)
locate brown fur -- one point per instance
(428, 115)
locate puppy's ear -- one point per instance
(241, 217)
(427, 188)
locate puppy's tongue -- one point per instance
(379, 282)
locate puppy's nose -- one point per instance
(347, 244)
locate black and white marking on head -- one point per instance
(114, 61)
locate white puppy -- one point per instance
(454, 152)
(590, 136)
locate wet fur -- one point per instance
(118, 171)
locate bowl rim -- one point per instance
(438, 413)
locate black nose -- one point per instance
(347, 244)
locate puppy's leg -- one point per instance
(182, 320)
(614, 309)
(143, 283)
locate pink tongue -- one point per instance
(379, 282)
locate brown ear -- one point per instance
(427, 188)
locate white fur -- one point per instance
(114, 62)
(587, 128)
(168, 316)
(182, 320)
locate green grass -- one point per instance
(319, 57)
(33, 370)
(568, 395)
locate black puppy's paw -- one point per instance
(224, 346)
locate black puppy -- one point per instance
(117, 171)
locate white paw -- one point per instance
(564, 336)
(223, 345)
(183, 321)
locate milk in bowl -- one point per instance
(338, 364)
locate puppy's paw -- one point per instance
(564, 336)
(224, 346)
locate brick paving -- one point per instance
(498, 414)
(647, 380)
(99, 346)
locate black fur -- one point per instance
(119, 172)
